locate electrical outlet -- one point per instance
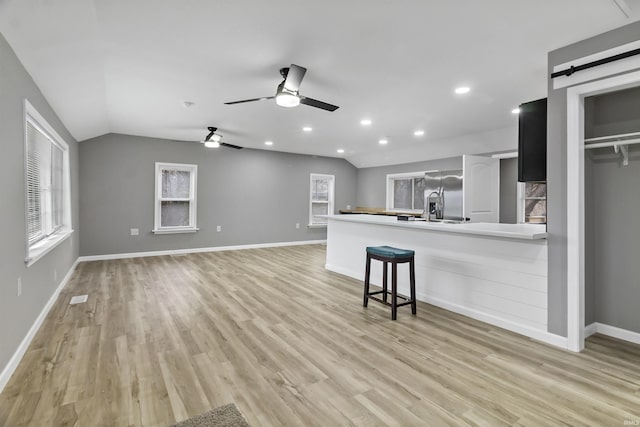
(297, 225)
(19, 286)
(219, 228)
(348, 207)
(55, 275)
(135, 231)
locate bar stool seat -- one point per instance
(394, 256)
(390, 252)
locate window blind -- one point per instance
(38, 164)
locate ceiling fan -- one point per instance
(212, 140)
(287, 93)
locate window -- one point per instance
(532, 202)
(405, 192)
(48, 202)
(321, 199)
(175, 204)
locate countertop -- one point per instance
(512, 231)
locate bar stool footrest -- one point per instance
(406, 299)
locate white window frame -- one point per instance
(521, 203)
(330, 202)
(193, 175)
(390, 190)
(53, 236)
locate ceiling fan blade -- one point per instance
(237, 147)
(249, 100)
(294, 77)
(318, 104)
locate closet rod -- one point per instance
(612, 143)
(617, 137)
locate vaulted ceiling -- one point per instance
(132, 67)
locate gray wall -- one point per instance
(372, 182)
(612, 113)
(612, 240)
(17, 314)
(509, 191)
(556, 169)
(257, 196)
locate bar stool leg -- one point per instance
(394, 290)
(366, 281)
(412, 283)
(384, 281)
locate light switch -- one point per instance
(135, 231)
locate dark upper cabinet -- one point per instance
(532, 141)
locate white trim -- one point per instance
(197, 250)
(619, 333)
(35, 251)
(175, 230)
(11, 366)
(192, 199)
(520, 197)
(51, 243)
(544, 336)
(331, 198)
(602, 71)
(613, 331)
(590, 329)
(391, 189)
(575, 198)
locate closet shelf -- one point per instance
(620, 143)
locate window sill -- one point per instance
(45, 246)
(317, 226)
(174, 230)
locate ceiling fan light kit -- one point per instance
(288, 100)
(287, 94)
(212, 140)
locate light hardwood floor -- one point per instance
(166, 338)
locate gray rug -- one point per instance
(224, 416)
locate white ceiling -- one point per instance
(128, 66)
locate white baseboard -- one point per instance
(197, 250)
(612, 331)
(590, 329)
(10, 368)
(537, 334)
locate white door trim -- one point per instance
(575, 198)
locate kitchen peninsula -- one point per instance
(496, 273)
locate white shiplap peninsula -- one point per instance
(496, 273)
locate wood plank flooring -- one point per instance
(166, 338)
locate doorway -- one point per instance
(576, 198)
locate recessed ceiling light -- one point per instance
(307, 129)
(383, 141)
(515, 111)
(462, 89)
(340, 150)
(268, 143)
(365, 122)
(418, 133)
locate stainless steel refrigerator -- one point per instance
(443, 194)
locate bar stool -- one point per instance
(395, 256)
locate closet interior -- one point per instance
(612, 209)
